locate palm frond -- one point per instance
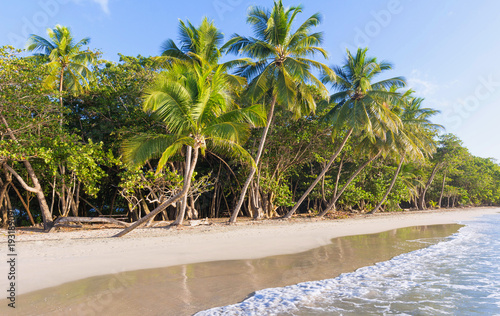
(139, 149)
(231, 149)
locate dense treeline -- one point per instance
(186, 135)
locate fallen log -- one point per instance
(100, 220)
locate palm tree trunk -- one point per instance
(243, 193)
(61, 77)
(355, 174)
(338, 176)
(442, 190)
(390, 186)
(167, 203)
(325, 170)
(421, 200)
(187, 177)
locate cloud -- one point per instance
(423, 87)
(104, 4)
(430, 89)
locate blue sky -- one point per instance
(447, 50)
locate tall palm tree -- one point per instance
(361, 105)
(69, 65)
(200, 46)
(197, 108)
(414, 140)
(282, 70)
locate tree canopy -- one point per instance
(255, 126)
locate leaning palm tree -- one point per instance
(282, 71)
(69, 65)
(197, 108)
(361, 106)
(414, 140)
(373, 150)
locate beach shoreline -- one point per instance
(47, 260)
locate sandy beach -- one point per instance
(47, 260)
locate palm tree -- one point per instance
(282, 71)
(69, 66)
(361, 105)
(197, 108)
(414, 140)
(200, 45)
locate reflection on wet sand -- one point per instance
(186, 289)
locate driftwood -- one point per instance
(199, 222)
(102, 220)
(68, 225)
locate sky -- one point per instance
(447, 50)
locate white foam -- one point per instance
(444, 278)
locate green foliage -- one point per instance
(133, 180)
(282, 196)
(111, 110)
(149, 109)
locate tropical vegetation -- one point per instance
(254, 127)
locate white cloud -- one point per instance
(440, 93)
(104, 4)
(420, 85)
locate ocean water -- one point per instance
(458, 276)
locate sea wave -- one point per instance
(458, 276)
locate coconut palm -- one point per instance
(197, 108)
(282, 70)
(69, 65)
(414, 139)
(199, 45)
(361, 106)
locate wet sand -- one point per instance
(188, 288)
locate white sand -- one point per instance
(46, 260)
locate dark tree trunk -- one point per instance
(37, 188)
(3, 193)
(26, 206)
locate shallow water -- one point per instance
(186, 289)
(458, 276)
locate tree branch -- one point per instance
(18, 177)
